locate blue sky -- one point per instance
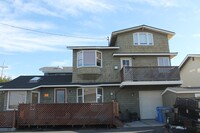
(24, 52)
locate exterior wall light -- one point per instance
(46, 94)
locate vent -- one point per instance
(34, 79)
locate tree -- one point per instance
(4, 79)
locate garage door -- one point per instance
(149, 100)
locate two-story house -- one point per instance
(133, 71)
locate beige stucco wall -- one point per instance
(169, 98)
(190, 73)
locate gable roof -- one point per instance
(186, 59)
(23, 82)
(179, 90)
(114, 34)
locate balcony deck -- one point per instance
(154, 73)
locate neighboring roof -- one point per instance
(114, 34)
(91, 47)
(187, 58)
(23, 82)
(145, 54)
(57, 69)
(1, 84)
(179, 90)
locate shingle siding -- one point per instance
(125, 42)
(71, 95)
(2, 97)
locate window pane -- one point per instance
(98, 59)
(89, 58)
(150, 37)
(99, 95)
(80, 59)
(60, 96)
(135, 37)
(90, 95)
(80, 99)
(163, 61)
(15, 98)
(143, 38)
(79, 92)
(125, 63)
(99, 55)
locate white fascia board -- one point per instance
(145, 54)
(180, 91)
(86, 48)
(168, 90)
(129, 83)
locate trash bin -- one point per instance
(161, 113)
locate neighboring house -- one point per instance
(190, 75)
(190, 70)
(171, 93)
(133, 71)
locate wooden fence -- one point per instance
(67, 114)
(7, 119)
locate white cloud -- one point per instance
(58, 8)
(17, 40)
(163, 3)
(196, 35)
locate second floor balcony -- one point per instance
(153, 73)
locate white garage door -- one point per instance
(149, 100)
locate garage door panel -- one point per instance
(149, 100)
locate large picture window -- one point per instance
(89, 95)
(143, 38)
(15, 98)
(89, 58)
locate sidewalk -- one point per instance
(144, 123)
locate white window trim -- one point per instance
(130, 61)
(38, 96)
(8, 100)
(138, 37)
(60, 89)
(83, 94)
(158, 58)
(82, 51)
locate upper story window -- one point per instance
(89, 58)
(163, 61)
(143, 38)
